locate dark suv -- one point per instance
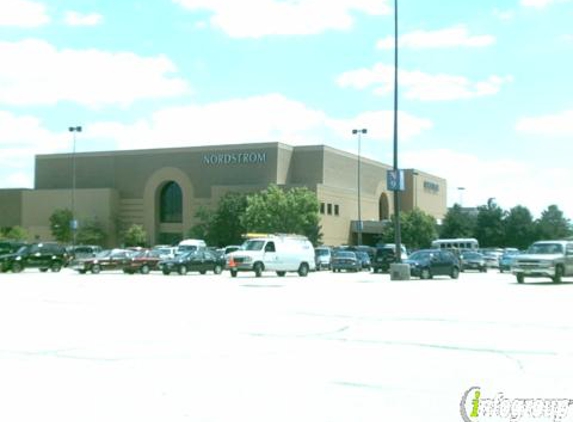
(427, 263)
(10, 246)
(45, 256)
(382, 260)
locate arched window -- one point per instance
(171, 204)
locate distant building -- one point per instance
(162, 189)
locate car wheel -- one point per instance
(96, 269)
(303, 269)
(455, 272)
(166, 271)
(43, 270)
(144, 269)
(218, 269)
(17, 267)
(281, 273)
(258, 269)
(182, 270)
(233, 273)
(425, 274)
(520, 278)
(56, 267)
(82, 271)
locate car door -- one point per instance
(442, 264)
(193, 261)
(203, 261)
(34, 256)
(270, 256)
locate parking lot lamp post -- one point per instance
(74, 222)
(359, 132)
(397, 229)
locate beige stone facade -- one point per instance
(124, 187)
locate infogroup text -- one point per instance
(474, 407)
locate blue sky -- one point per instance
(485, 96)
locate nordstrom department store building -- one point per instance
(162, 189)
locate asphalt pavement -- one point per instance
(324, 348)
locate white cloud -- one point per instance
(541, 4)
(258, 18)
(21, 138)
(510, 182)
(78, 19)
(266, 118)
(538, 4)
(456, 36)
(421, 86)
(560, 124)
(92, 78)
(23, 13)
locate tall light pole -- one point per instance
(359, 132)
(397, 233)
(74, 222)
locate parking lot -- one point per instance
(327, 347)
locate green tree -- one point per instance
(275, 210)
(519, 228)
(90, 232)
(202, 229)
(15, 233)
(417, 229)
(489, 227)
(553, 224)
(226, 226)
(60, 225)
(458, 223)
(135, 235)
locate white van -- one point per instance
(189, 245)
(280, 253)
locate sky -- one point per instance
(484, 97)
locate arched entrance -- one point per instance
(167, 203)
(170, 206)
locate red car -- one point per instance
(142, 262)
(109, 259)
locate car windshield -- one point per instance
(162, 251)
(322, 252)
(471, 255)
(254, 245)
(416, 256)
(345, 255)
(546, 248)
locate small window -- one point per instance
(336, 209)
(270, 247)
(329, 209)
(322, 207)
